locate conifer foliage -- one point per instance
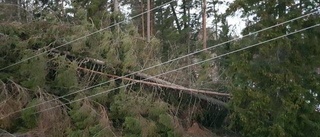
(275, 86)
(55, 54)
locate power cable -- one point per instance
(85, 36)
(103, 83)
(222, 55)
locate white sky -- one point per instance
(237, 24)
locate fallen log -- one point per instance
(165, 84)
(157, 80)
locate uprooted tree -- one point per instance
(270, 90)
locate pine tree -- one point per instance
(274, 85)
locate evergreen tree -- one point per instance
(145, 109)
(275, 86)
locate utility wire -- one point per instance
(222, 55)
(256, 32)
(85, 36)
(103, 83)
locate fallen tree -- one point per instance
(154, 81)
(165, 84)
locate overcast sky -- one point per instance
(237, 24)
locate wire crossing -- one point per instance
(160, 64)
(222, 55)
(85, 36)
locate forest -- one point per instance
(159, 68)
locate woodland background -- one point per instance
(268, 90)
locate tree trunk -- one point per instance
(142, 20)
(185, 22)
(175, 17)
(148, 21)
(116, 12)
(204, 23)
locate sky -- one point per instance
(236, 23)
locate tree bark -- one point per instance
(148, 21)
(116, 12)
(142, 19)
(204, 23)
(175, 17)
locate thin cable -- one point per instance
(222, 55)
(315, 11)
(85, 36)
(103, 83)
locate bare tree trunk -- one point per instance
(148, 21)
(63, 10)
(189, 14)
(175, 17)
(142, 19)
(215, 8)
(152, 18)
(204, 23)
(116, 12)
(18, 8)
(185, 13)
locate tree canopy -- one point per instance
(91, 68)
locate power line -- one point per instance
(256, 32)
(85, 36)
(103, 83)
(222, 55)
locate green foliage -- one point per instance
(34, 71)
(86, 121)
(130, 58)
(106, 98)
(156, 109)
(134, 111)
(29, 117)
(125, 104)
(132, 127)
(67, 77)
(166, 123)
(273, 94)
(139, 115)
